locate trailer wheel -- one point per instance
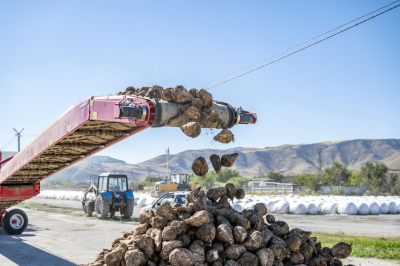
(14, 221)
(127, 210)
(101, 207)
(89, 208)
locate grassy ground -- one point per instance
(364, 246)
(77, 212)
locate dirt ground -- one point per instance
(54, 238)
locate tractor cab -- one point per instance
(176, 182)
(181, 179)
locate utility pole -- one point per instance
(320, 159)
(167, 151)
(19, 138)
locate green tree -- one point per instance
(277, 177)
(226, 174)
(238, 181)
(336, 175)
(374, 175)
(208, 181)
(308, 180)
(153, 179)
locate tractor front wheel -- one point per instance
(101, 207)
(89, 208)
(14, 221)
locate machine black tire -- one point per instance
(14, 221)
(89, 208)
(127, 210)
(101, 207)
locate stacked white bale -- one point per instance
(281, 207)
(297, 208)
(237, 207)
(362, 208)
(383, 207)
(374, 208)
(347, 207)
(392, 207)
(329, 208)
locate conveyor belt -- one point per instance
(84, 129)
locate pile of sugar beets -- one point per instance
(203, 233)
(196, 105)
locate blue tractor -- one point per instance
(109, 196)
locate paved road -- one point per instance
(64, 240)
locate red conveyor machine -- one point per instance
(88, 127)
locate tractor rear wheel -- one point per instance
(101, 207)
(89, 208)
(14, 221)
(127, 210)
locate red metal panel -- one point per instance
(18, 192)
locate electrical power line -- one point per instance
(294, 46)
(8, 143)
(307, 46)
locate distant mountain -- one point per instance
(102, 159)
(287, 159)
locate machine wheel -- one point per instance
(127, 210)
(14, 221)
(101, 207)
(89, 208)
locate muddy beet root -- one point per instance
(296, 258)
(193, 113)
(143, 91)
(239, 234)
(231, 263)
(135, 257)
(197, 103)
(255, 241)
(214, 194)
(205, 96)
(206, 233)
(234, 251)
(216, 163)
(212, 255)
(166, 95)
(213, 116)
(228, 160)
(260, 209)
(224, 234)
(225, 136)
(159, 222)
(198, 219)
(191, 129)
(270, 219)
(341, 250)
(240, 194)
(293, 243)
(145, 216)
(248, 259)
(181, 95)
(155, 91)
(200, 167)
(193, 92)
(230, 190)
(266, 257)
(169, 233)
(115, 256)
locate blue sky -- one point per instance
(55, 53)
